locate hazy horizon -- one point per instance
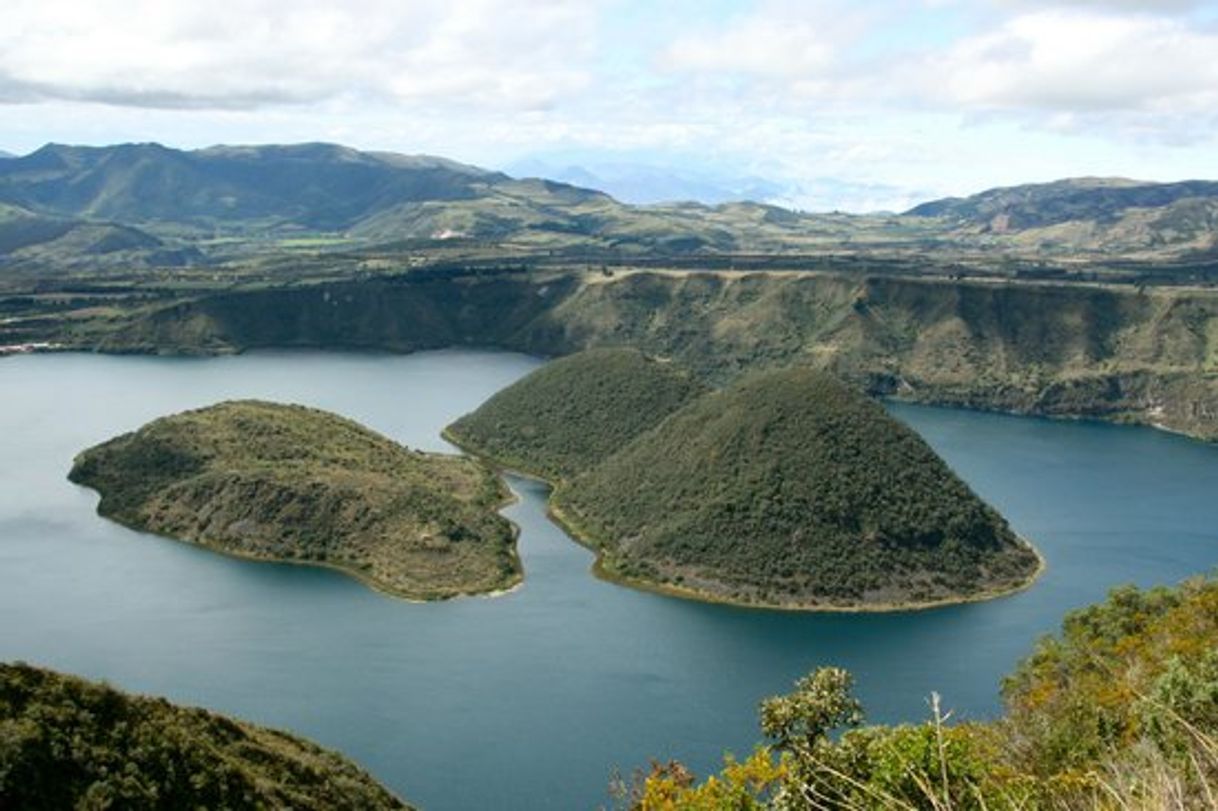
(826, 105)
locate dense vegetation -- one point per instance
(290, 483)
(66, 743)
(1119, 711)
(574, 412)
(790, 488)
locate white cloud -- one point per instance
(1157, 7)
(757, 46)
(248, 53)
(1071, 61)
(777, 39)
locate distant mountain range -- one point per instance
(366, 197)
(166, 203)
(648, 184)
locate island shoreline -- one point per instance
(509, 498)
(571, 529)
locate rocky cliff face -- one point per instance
(1061, 350)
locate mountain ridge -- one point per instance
(246, 207)
(309, 185)
(1038, 204)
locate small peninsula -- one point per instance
(787, 489)
(293, 484)
(72, 743)
(575, 411)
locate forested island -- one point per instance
(294, 484)
(70, 743)
(785, 489)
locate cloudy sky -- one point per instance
(849, 104)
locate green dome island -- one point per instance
(786, 489)
(293, 484)
(70, 743)
(574, 412)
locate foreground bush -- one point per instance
(1118, 711)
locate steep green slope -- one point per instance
(789, 488)
(289, 483)
(574, 412)
(68, 743)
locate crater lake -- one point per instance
(532, 699)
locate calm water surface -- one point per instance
(527, 701)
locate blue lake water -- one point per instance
(529, 700)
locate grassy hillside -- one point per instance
(574, 412)
(1118, 711)
(1108, 215)
(26, 237)
(289, 483)
(789, 488)
(1043, 204)
(68, 743)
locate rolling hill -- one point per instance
(1094, 214)
(1038, 205)
(27, 238)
